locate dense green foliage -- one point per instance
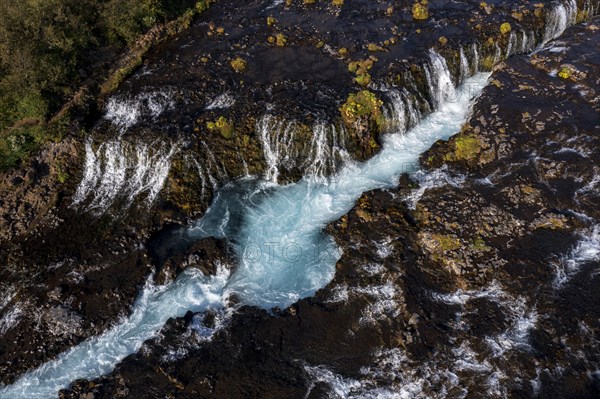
(45, 48)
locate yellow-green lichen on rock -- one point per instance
(465, 147)
(363, 104)
(505, 28)
(238, 65)
(441, 248)
(222, 125)
(420, 10)
(565, 72)
(361, 69)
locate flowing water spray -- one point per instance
(559, 18)
(277, 233)
(124, 112)
(122, 171)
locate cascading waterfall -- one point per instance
(222, 101)
(210, 172)
(559, 18)
(121, 171)
(276, 138)
(282, 147)
(325, 150)
(401, 113)
(277, 232)
(475, 56)
(464, 66)
(512, 42)
(439, 80)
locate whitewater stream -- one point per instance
(277, 233)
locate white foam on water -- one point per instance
(461, 297)
(517, 335)
(344, 387)
(385, 302)
(384, 248)
(340, 387)
(10, 318)
(586, 250)
(125, 112)
(431, 179)
(373, 269)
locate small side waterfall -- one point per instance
(465, 71)
(559, 18)
(276, 138)
(439, 80)
(222, 101)
(512, 44)
(119, 171)
(327, 150)
(474, 47)
(210, 171)
(528, 42)
(401, 111)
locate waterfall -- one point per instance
(276, 138)
(439, 79)
(512, 43)
(401, 111)
(285, 148)
(209, 170)
(124, 111)
(325, 151)
(559, 18)
(586, 250)
(475, 56)
(121, 171)
(528, 42)
(464, 66)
